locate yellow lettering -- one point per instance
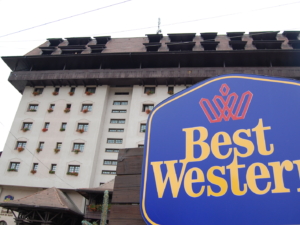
(252, 177)
(260, 138)
(221, 182)
(278, 176)
(297, 162)
(243, 142)
(161, 183)
(215, 144)
(234, 177)
(188, 182)
(190, 143)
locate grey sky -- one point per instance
(217, 16)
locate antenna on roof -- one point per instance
(158, 27)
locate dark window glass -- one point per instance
(121, 121)
(120, 103)
(145, 107)
(121, 93)
(149, 90)
(112, 150)
(33, 107)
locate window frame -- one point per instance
(118, 111)
(115, 140)
(112, 150)
(90, 89)
(32, 107)
(118, 121)
(73, 168)
(63, 126)
(46, 125)
(109, 172)
(117, 130)
(58, 145)
(89, 107)
(21, 144)
(79, 146)
(27, 125)
(35, 166)
(147, 106)
(41, 145)
(121, 93)
(14, 166)
(83, 126)
(121, 102)
(151, 90)
(110, 162)
(53, 167)
(39, 90)
(143, 125)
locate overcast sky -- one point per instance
(125, 18)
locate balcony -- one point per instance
(88, 214)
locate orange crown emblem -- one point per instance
(226, 107)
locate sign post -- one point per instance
(224, 151)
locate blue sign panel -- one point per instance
(225, 151)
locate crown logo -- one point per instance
(226, 107)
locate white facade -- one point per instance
(102, 137)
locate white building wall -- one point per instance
(91, 160)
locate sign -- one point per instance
(224, 151)
(8, 198)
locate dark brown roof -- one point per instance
(51, 198)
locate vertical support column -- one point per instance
(104, 208)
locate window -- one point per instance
(149, 90)
(120, 103)
(140, 146)
(115, 130)
(26, 126)
(78, 146)
(122, 121)
(119, 111)
(46, 126)
(35, 166)
(41, 145)
(87, 107)
(53, 167)
(170, 90)
(114, 141)
(83, 126)
(72, 91)
(112, 150)
(147, 107)
(121, 93)
(73, 169)
(99, 185)
(63, 126)
(2, 222)
(14, 166)
(21, 144)
(110, 162)
(38, 90)
(143, 128)
(32, 107)
(109, 172)
(68, 106)
(56, 90)
(90, 90)
(58, 145)
(52, 106)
